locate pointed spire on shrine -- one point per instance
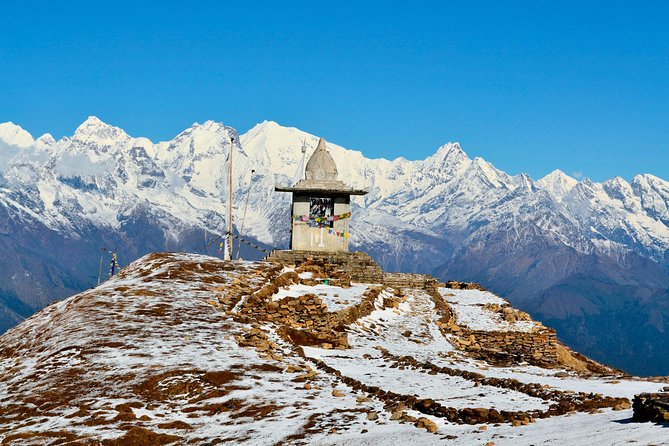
(321, 166)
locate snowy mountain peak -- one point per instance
(14, 135)
(95, 131)
(450, 151)
(276, 147)
(204, 138)
(488, 173)
(210, 126)
(619, 189)
(46, 139)
(269, 125)
(650, 179)
(557, 183)
(286, 136)
(558, 176)
(654, 193)
(618, 182)
(450, 159)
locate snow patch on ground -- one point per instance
(335, 297)
(470, 312)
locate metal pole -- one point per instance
(100, 270)
(232, 144)
(246, 206)
(102, 253)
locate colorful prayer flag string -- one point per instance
(344, 234)
(307, 218)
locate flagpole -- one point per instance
(102, 253)
(232, 143)
(246, 206)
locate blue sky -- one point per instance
(529, 86)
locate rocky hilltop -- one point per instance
(189, 349)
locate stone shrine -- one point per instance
(321, 206)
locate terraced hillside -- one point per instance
(188, 349)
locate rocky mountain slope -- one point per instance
(189, 349)
(590, 259)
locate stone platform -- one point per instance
(359, 265)
(537, 347)
(411, 280)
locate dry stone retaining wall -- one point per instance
(651, 407)
(561, 402)
(358, 265)
(455, 285)
(306, 319)
(537, 347)
(407, 280)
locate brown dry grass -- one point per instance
(581, 363)
(220, 378)
(139, 436)
(256, 412)
(53, 437)
(158, 310)
(144, 292)
(566, 359)
(177, 424)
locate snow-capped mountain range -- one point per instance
(572, 252)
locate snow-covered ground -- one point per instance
(470, 312)
(608, 428)
(457, 392)
(335, 297)
(153, 349)
(386, 328)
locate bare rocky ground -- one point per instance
(187, 349)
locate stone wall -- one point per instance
(455, 285)
(408, 280)
(560, 402)
(305, 320)
(651, 407)
(358, 265)
(537, 347)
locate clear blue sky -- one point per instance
(529, 86)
